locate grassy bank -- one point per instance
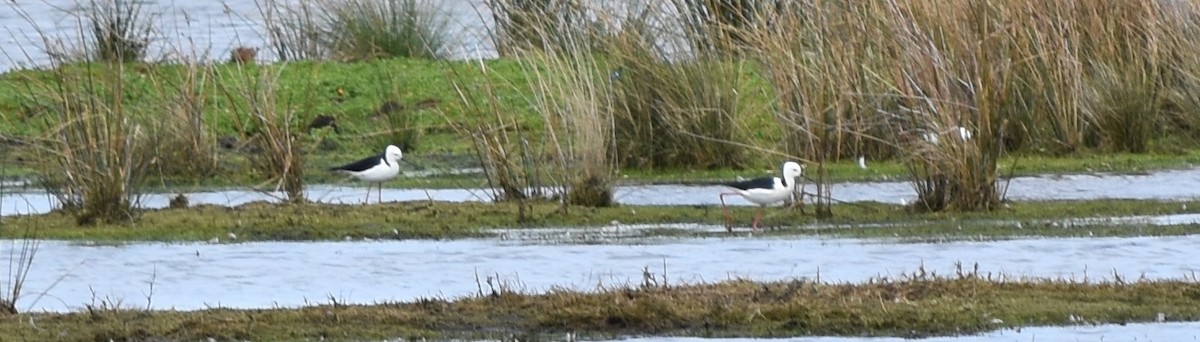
(917, 305)
(361, 111)
(438, 220)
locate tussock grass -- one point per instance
(627, 104)
(724, 26)
(909, 305)
(364, 29)
(571, 98)
(183, 145)
(295, 30)
(671, 112)
(545, 25)
(271, 126)
(120, 30)
(821, 63)
(94, 158)
(1124, 76)
(953, 87)
(500, 143)
(355, 30)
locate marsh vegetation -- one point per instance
(585, 93)
(952, 96)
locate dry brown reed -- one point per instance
(570, 94)
(355, 30)
(502, 146)
(522, 25)
(95, 159)
(120, 30)
(671, 110)
(824, 61)
(294, 29)
(272, 126)
(723, 26)
(183, 145)
(885, 78)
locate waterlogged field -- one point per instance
(561, 170)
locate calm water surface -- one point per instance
(268, 274)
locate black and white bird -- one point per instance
(374, 169)
(763, 191)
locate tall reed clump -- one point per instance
(1043, 99)
(954, 74)
(723, 26)
(671, 112)
(277, 153)
(183, 145)
(95, 152)
(354, 30)
(570, 92)
(891, 78)
(542, 25)
(120, 30)
(1124, 43)
(1183, 76)
(823, 62)
(295, 29)
(513, 168)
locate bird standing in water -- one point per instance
(374, 169)
(763, 191)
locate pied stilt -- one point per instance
(932, 137)
(763, 191)
(374, 169)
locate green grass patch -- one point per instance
(424, 90)
(261, 221)
(914, 306)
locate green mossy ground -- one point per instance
(917, 306)
(261, 221)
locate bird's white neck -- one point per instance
(789, 183)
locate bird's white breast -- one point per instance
(381, 172)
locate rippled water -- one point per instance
(256, 275)
(207, 29)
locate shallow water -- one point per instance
(1161, 185)
(256, 275)
(1142, 332)
(206, 29)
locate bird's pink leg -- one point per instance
(379, 193)
(728, 218)
(757, 217)
(367, 200)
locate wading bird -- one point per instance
(763, 191)
(374, 169)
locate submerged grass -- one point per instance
(916, 305)
(261, 221)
